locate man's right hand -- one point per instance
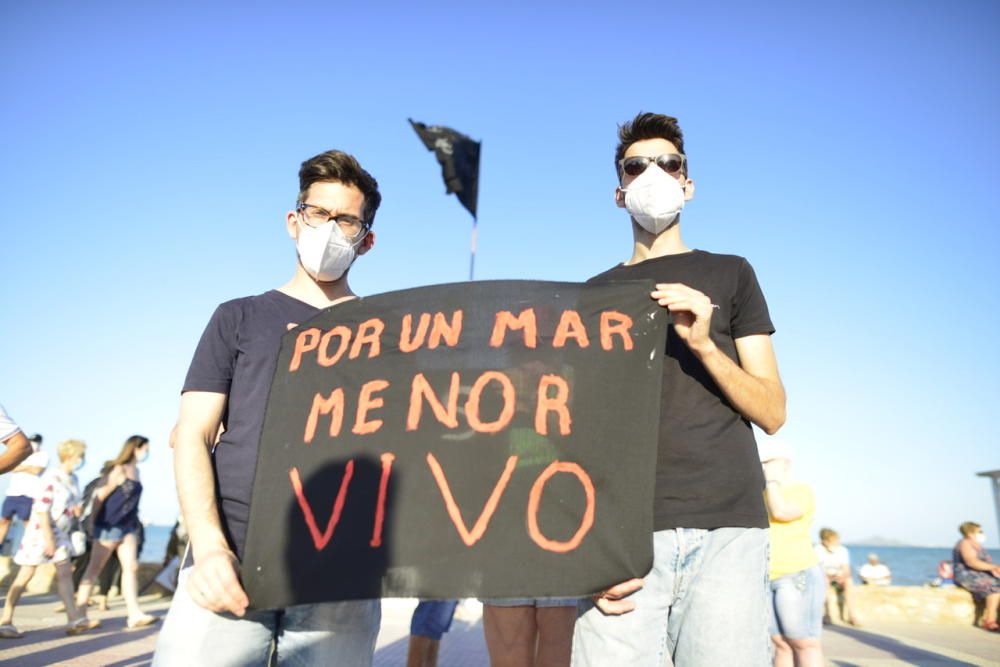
(214, 584)
(610, 601)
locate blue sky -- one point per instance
(849, 150)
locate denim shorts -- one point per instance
(797, 604)
(531, 602)
(113, 533)
(704, 602)
(331, 633)
(432, 618)
(19, 506)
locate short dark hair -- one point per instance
(648, 126)
(826, 533)
(340, 167)
(37, 437)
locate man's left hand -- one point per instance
(692, 313)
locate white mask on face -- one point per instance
(141, 455)
(654, 199)
(981, 538)
(324, 251)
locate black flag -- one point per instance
(459, 158)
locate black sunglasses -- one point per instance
(668, 162)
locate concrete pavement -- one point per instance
(875, 645)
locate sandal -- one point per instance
(81, 625)
(8, 631)
(142, 622)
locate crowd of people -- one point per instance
(713, 525)
(74, 531)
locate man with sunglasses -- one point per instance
(703, 602)
(227, 387)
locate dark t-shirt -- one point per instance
(236, 356)
(707, 473)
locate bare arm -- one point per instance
(972, 560)
(34, 470)
(213, 583)
(778, 506)
(753, 386)
(18, 449)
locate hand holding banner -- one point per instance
(492, 439)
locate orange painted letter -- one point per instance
(370, 333)
(324, 357)
(321, 539)
(613, 322)
(505, 320)
(421, 388)
(443, 330)
(325, 406)
(570, 326)
(383, 486)
(472, 403)
(306, 341)
(365, 403)
(408, 342)
(470, 537)
(555, 404)
(535, 499)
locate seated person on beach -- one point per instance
(945, 575)
(46, 540)
(874, 573)
(836, 564)
(976, 572)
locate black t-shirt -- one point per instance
(707, 474)
(236, 356)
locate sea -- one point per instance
(910, 566)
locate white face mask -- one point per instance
(324, 251)
(654, 199)
(141, 455)
(981, 538)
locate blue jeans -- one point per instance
(703, 603)
(432, 618)
(336, 633)
(797, 604)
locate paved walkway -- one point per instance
(875, 645)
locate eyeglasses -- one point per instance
(672, 163)
(315, 216)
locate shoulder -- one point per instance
(615, 272)
(40, 459)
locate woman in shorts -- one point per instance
(46, 540)
(116, 527)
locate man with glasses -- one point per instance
(703, 602)
(227, 387)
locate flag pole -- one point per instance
(472, 255)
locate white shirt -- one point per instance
(833, 561)
(875, 574)
(7, 425)
(24, 483)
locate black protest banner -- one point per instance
(492, 439)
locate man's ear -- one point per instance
(367, 244)
(688, 190)
(291, 219)
(619, 198)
